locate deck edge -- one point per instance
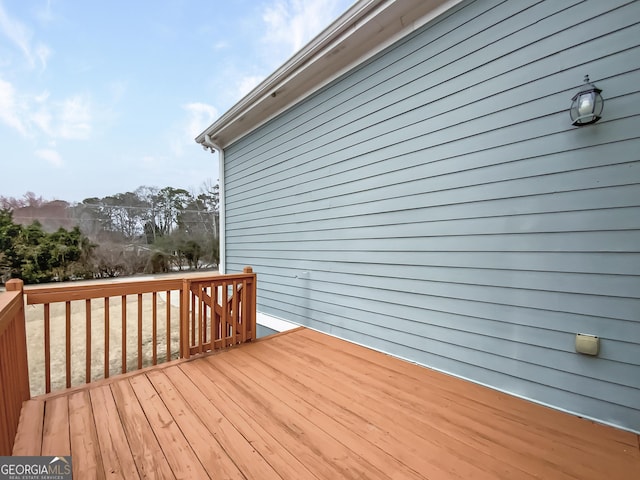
(160, 366)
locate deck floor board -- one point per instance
(55, 439)
(85, 446)
(268, 446)
(325, 455)
(394, 444)
(33, 421)
(309, 406)
(201, 427)
(145, 450)
(354, 435)
(117, 458)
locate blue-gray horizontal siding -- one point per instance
(435, 203)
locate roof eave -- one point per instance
(363, 30)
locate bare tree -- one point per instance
(29, 199)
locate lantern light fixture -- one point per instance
(586, 105)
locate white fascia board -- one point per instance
(367, 28)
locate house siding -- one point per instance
(436, 203)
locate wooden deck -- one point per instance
(304, 405)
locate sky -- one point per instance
(101, 97)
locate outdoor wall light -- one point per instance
(586, 105)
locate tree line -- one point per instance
(36, 256)
(148, 230)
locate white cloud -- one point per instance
(43, 53)
(43, 97)
(21, 37)
(40, 114)
(31, 115)
(10, 110)
(42, 119)
(74, 118)
(292, 23)
(282, 28)
(44, 13)
(50, 156)
(221, 45)
(199, 116)
(34, 114)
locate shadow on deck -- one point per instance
(305, 405)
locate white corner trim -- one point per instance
(275, 323)
(222, 216)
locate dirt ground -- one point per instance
(35, 338)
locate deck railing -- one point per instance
(14, 376)
(74, 334)
(225, 315)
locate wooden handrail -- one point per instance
(65, 292)
(14, 374)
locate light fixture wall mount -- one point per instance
(586, 105)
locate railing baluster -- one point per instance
(13, 378)
(68, 342)
(193, 319)
(154, 313)
(252, 290)
(124, 334)
(5, 404)
(47, 347)
(7, 375)
(212, 315)
(168, 332)
(235, 313)
(7, 424)
(225, 314)
(217, 304)
(185, 351)
(243, 308)
(88, 339)
(6, 428)
(200, 318)
(205, 291)
(107, 331)
(139, 331)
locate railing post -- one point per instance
(185, 347)
(17, 285)
(252, 295)
(14, 370)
